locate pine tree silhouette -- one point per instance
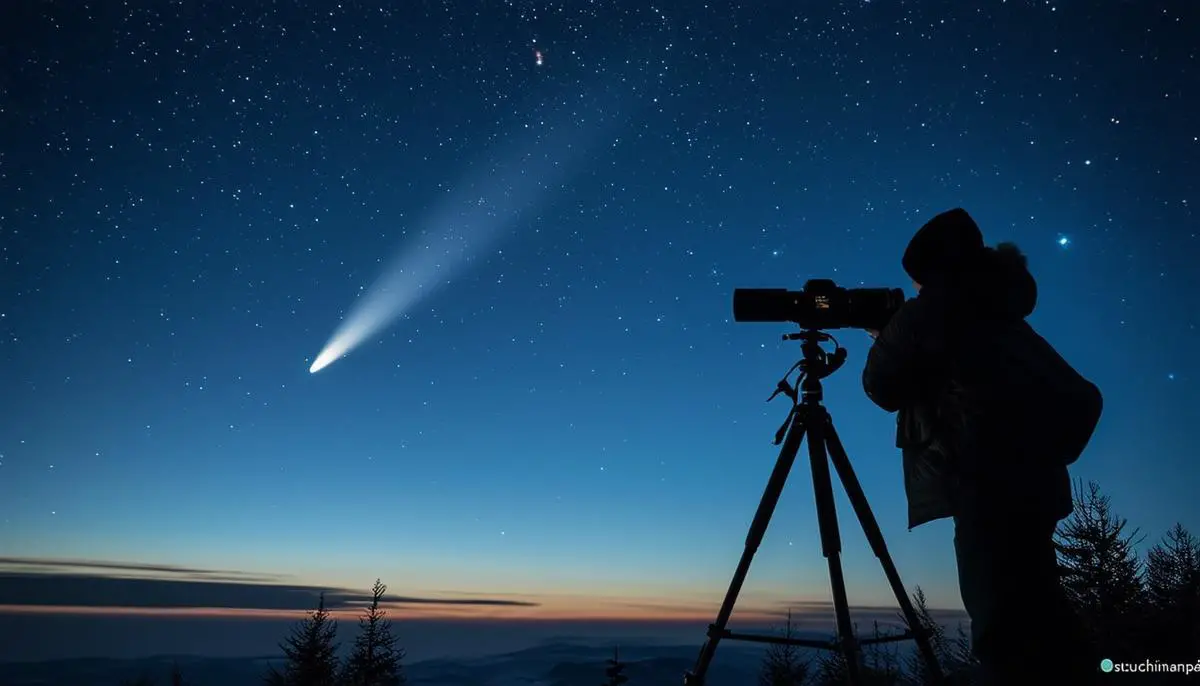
(376, 659)
(615, 672)
(961, 661)
(832, 669)
(310, 651)
(1173, 595)
(274, 677)
(881, 662)
(953, 654)
(1101, 572)
(784, 665)
(176, 675)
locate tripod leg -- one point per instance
(870, 525)
(758, 528)
(831, 543)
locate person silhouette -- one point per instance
(989, 417)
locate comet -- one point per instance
(411, 276)
(470, 221)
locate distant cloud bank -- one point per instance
(49, 583)
(71, 587)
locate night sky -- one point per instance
(564, 421)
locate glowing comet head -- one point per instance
(323, 360)
(335, 348)
(386, 301)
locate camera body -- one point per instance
(822, 304)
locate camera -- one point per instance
(822, 304)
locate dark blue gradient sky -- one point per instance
(192, 196)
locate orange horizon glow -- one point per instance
(406, 612)
(613, 611)
(660, 603)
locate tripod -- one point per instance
(808, 414)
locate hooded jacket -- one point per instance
(988, 414)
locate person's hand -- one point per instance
(873, 333)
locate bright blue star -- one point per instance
(1063, 241)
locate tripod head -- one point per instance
(815, 364)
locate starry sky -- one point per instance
(562, 420)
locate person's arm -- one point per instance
(902, 363)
